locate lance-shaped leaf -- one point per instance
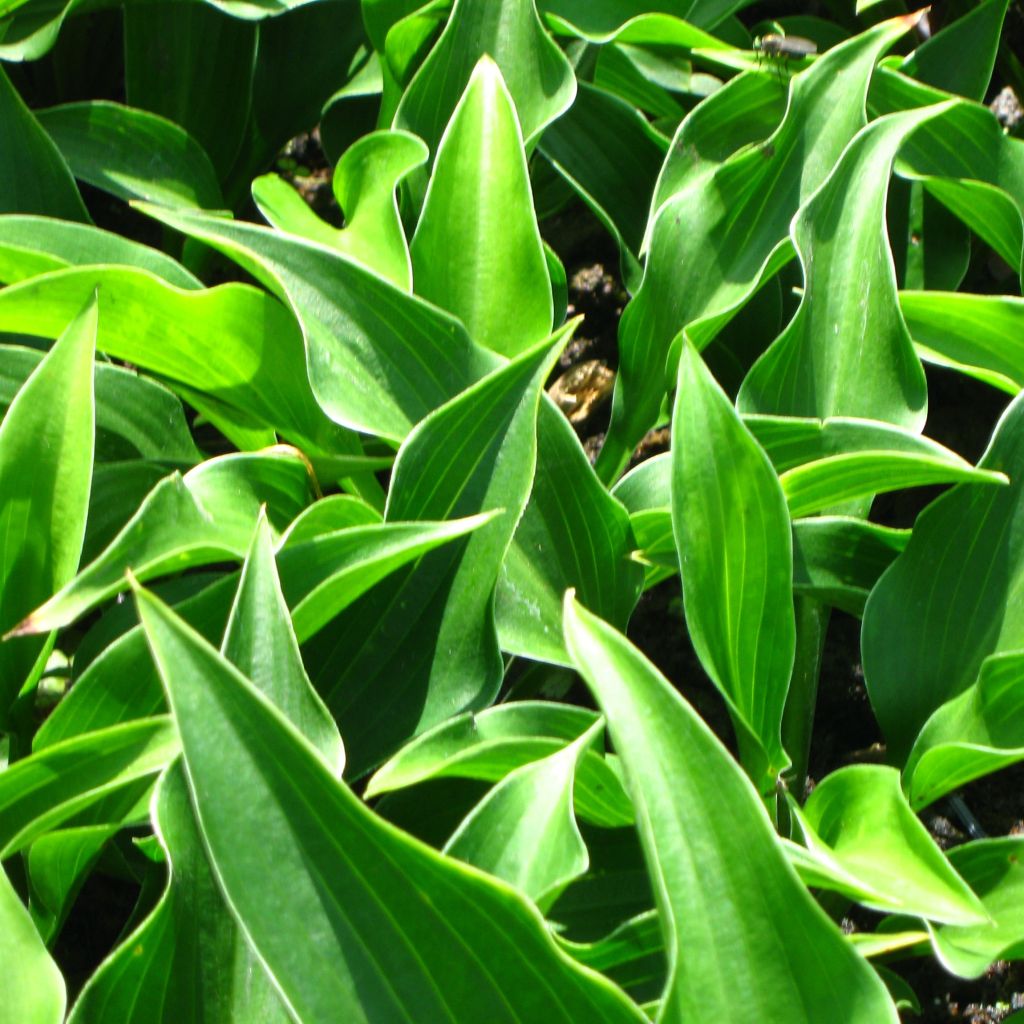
(33, 985)
(734, 540)
(204, 517)
(950, 600)
(859, 819)
(364, 183)
(978, 732)
(524, 831)
(572, 534)
(994, 869)
(477, 250)
(189, 957)
(41, 791)
(824, 463)
(741, 214)
(46, 452)
(537, 73)
(738, 925)
(980, 335)
(388, 676)
(320, 576)
(847, 352)
(379, 359)
(35, 245)
(133, 154)
(167, 330)
(187, 962)
(260, 642)
(502, 739)
(377, 926)
(33, 175)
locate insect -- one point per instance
(774, 45)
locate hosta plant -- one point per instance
(328, 685)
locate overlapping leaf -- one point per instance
(375, 922)
(950, 600)
(46, 451)
(388, 676)
(731, 214)
(739, 927)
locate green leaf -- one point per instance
(994, 870)
(364, 183)
(733, 535)
(838, 559)
(325, 575)
(35, 245)
(524, 831)
(842, 478)
(847, 352)
(960, 57)
(980, 731)
(740, 214)
(206, 516)
(965, 160)
(477, 250)
(57, 864)
(377, 926)
(537, 74)
(737, 923)
(34, 988)
(320, 575)
(633, 956)
(132, 154)
(46, 454)
(858, 819)
(980, 335)
(260, 642)
(655, 22)
(614, 182)
(188, 961)
(212, 55)
(407, 357)
(746, 110)
(33, 175)
(947, 602)
(135, 416)
(387, 677)
(48, 787)
(572, 534)
(824, 463)
(495, 742)
(167, 331)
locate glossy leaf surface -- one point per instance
(46, 452)
(477, 250)
(735, 918)
(733, 536)
(342, 941)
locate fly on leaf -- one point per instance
(774, 45)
